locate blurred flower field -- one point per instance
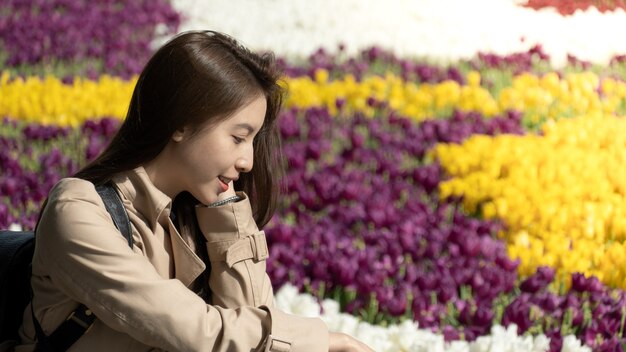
(478, 205)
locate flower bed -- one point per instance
(398, 213)
(407, 337)
(424, 259)
(538, 96)
(437, 266)
(561, 194)
(82, 37)
(440, 30)
(568, 7)
(358, 188)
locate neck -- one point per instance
(158, 171)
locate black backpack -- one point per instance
(16, 254)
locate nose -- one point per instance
(245, 162)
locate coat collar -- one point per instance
(155, 205)
(137, 187)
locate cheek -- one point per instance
(204, 161)
(204, 168)
(190, 166)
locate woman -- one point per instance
(203, 112)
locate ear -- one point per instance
(178, 135)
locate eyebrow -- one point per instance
(246, 126)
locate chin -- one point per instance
(205, 198)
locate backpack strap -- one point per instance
(115, 207)
(82, 318)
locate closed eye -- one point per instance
(238, 140)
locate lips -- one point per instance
(223, 183)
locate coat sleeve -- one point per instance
(91, 263)
(238, 253)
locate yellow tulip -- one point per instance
(540, 98)
(561, 194)
(49, 101)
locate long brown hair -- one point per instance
(199, 77)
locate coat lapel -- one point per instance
(188, 266)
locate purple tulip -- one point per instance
(539, 280)
(582, 284)
(106, 36)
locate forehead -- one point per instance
(252, 114)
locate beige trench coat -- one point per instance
(141, 296)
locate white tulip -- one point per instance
(572, 344)
(406, 336)
(444, 30)
(15, 227)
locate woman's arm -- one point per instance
(238, 253)
(240, 279)
(88, 260)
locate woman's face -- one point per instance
(216, 155)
